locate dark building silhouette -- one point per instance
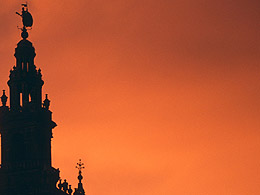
(26, 129)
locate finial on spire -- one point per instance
(4, 99)
(80, 189)
(27, 20)
(24, 33)
(80, 165)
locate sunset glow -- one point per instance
(155, 97)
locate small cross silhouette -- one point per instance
(80, 165)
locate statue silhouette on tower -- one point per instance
(27, 20)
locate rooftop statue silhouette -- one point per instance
(26, 129)
(27, 20)
(27, 17)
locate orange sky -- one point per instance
(156, 97)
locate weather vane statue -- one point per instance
(26, 19)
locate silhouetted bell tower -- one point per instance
(26, 127)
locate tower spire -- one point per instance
(80, 189)
(25, 80)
